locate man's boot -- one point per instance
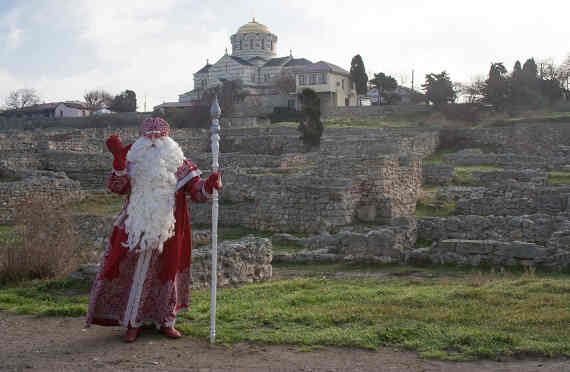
(131, 334)
(170, 332)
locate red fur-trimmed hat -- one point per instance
(155, 126)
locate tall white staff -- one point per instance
(215, 112)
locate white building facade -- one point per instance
(253, 61)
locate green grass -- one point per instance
(426, 210)
(464, 175)
(99, 204)
(532, 117)
(559, 178)
(10, 235)
(461, 316)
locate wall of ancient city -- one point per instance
(507, 216)
(273, 183)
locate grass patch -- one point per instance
(466, 316)
(427, 210)
(558, 178)
(531, 117)
(10, 235)
(464, 175)
(98, 204)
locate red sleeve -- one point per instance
(194, 187)
(119, 184)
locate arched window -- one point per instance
(250, 43)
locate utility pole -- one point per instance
(412, 80)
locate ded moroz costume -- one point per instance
(145, 270)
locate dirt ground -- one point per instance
(61, 344)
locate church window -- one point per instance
(314, 77)
(301, 79)
(262, 43)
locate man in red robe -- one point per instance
(145, 271)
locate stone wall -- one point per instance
(437, 174)
(534, 138)
(371, 111)
(242, 261)
(470, 157)
(491, 252)
(516, 201)
(536, 228)
(53, 188)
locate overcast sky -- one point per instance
(64, 48)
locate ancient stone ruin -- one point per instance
(354, 199)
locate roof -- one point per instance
(322, 66)
(205, 68)
(280, 61)
(298, 62)
(241, 61)
(76, 105)
(173, 104)
(253, 28)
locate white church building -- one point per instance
(254, 61)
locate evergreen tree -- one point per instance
(439, 89)
(125, 102)
(358, 74)
(496, 89)
(384, 84)
(311, 127)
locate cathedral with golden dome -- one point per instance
(253, 61)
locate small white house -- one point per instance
(53, 110)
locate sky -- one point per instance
(63, 48)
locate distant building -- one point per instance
(253, 61)
(406, 95)
(53, 110)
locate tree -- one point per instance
(125, 102)
(286, 82)
(358, 74)
(97, 99)
(496, 89)
(439, 89)
(21, 98)
(383, 83)
(229, 92)
(311, 127)
(473, 91)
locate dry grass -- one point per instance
(47, 246)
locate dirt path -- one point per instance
(60, 344)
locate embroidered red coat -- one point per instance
(132, 287)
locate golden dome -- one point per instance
(253, 28)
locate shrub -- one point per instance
(48, 246)
(466, 112)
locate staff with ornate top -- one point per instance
(215, 112)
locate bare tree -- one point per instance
(97, 99)
(18, 99)
(473, 91)
(286, 82)
(253, 106)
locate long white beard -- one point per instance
(150, 213)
